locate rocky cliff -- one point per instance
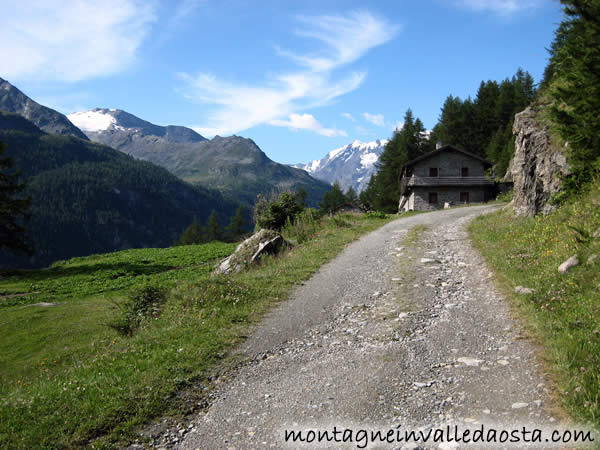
(537, 167)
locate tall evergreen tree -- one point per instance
(213, 228)
(383, 190)
(333, 200)
(193, 234)
(236, 226)
(351, 196)
(13, 208)
(574, 70)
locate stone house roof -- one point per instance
(446, 148)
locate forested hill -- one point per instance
(88, 198)
(482, 126)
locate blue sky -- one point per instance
(298, 77)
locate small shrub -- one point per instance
(376, 215)
(143, 301)
(273, 214)
(505, 196)
(303, 227)
(340, 222)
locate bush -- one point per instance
(274, 214)
(376, 215)
(505, 196)
(340, 222)
(303, 227)
(143, 301)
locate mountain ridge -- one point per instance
(12, 100)
(234, 165)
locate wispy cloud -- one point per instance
(342, 40)
(346, 39)
(183, 10)
(242, 106)
(500, 7)
(349, 116)
(375, 119)
(307, 122)
(71, 40)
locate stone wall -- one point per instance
(537, 167)
(419, 198)
(449, 164)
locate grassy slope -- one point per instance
(563, 312)
(67, 378)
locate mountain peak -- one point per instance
(95, 120)
(351, 165)
(107, 121)
(14, 101)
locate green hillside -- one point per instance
(89, 198)
(68, 378)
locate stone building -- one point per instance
(447, 176)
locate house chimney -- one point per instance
(438, 145)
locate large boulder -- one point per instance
(537, 167)
(249, 252)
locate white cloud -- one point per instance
(343, 39)
(307, 122)
(375, 119)
(71, 40)
(242, 107)
(346, 38)
(501, 7)
(349, 116)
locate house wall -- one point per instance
(419, 197)
(449, 164)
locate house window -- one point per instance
(433, 197)
(433, 172)
(464, 172)
(464, 197)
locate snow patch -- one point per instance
(368, 159)
(333, 153)
(314, 165)
(92, 120)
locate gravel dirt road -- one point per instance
(394, 333)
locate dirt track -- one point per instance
(389, 334)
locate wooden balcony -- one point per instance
(446, 181)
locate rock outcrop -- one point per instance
(249, 252)
(537, 167)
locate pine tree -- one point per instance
(383, 190)
(575, 72)
(213, 229)
(333, 200)
(191, 235)
(236, 226)
(300, 196)
(351, 196)
(13, 208)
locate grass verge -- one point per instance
(562, 314)
(69, 379)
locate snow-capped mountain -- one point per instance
(351, 165)
(234, 165)
(113, 126)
